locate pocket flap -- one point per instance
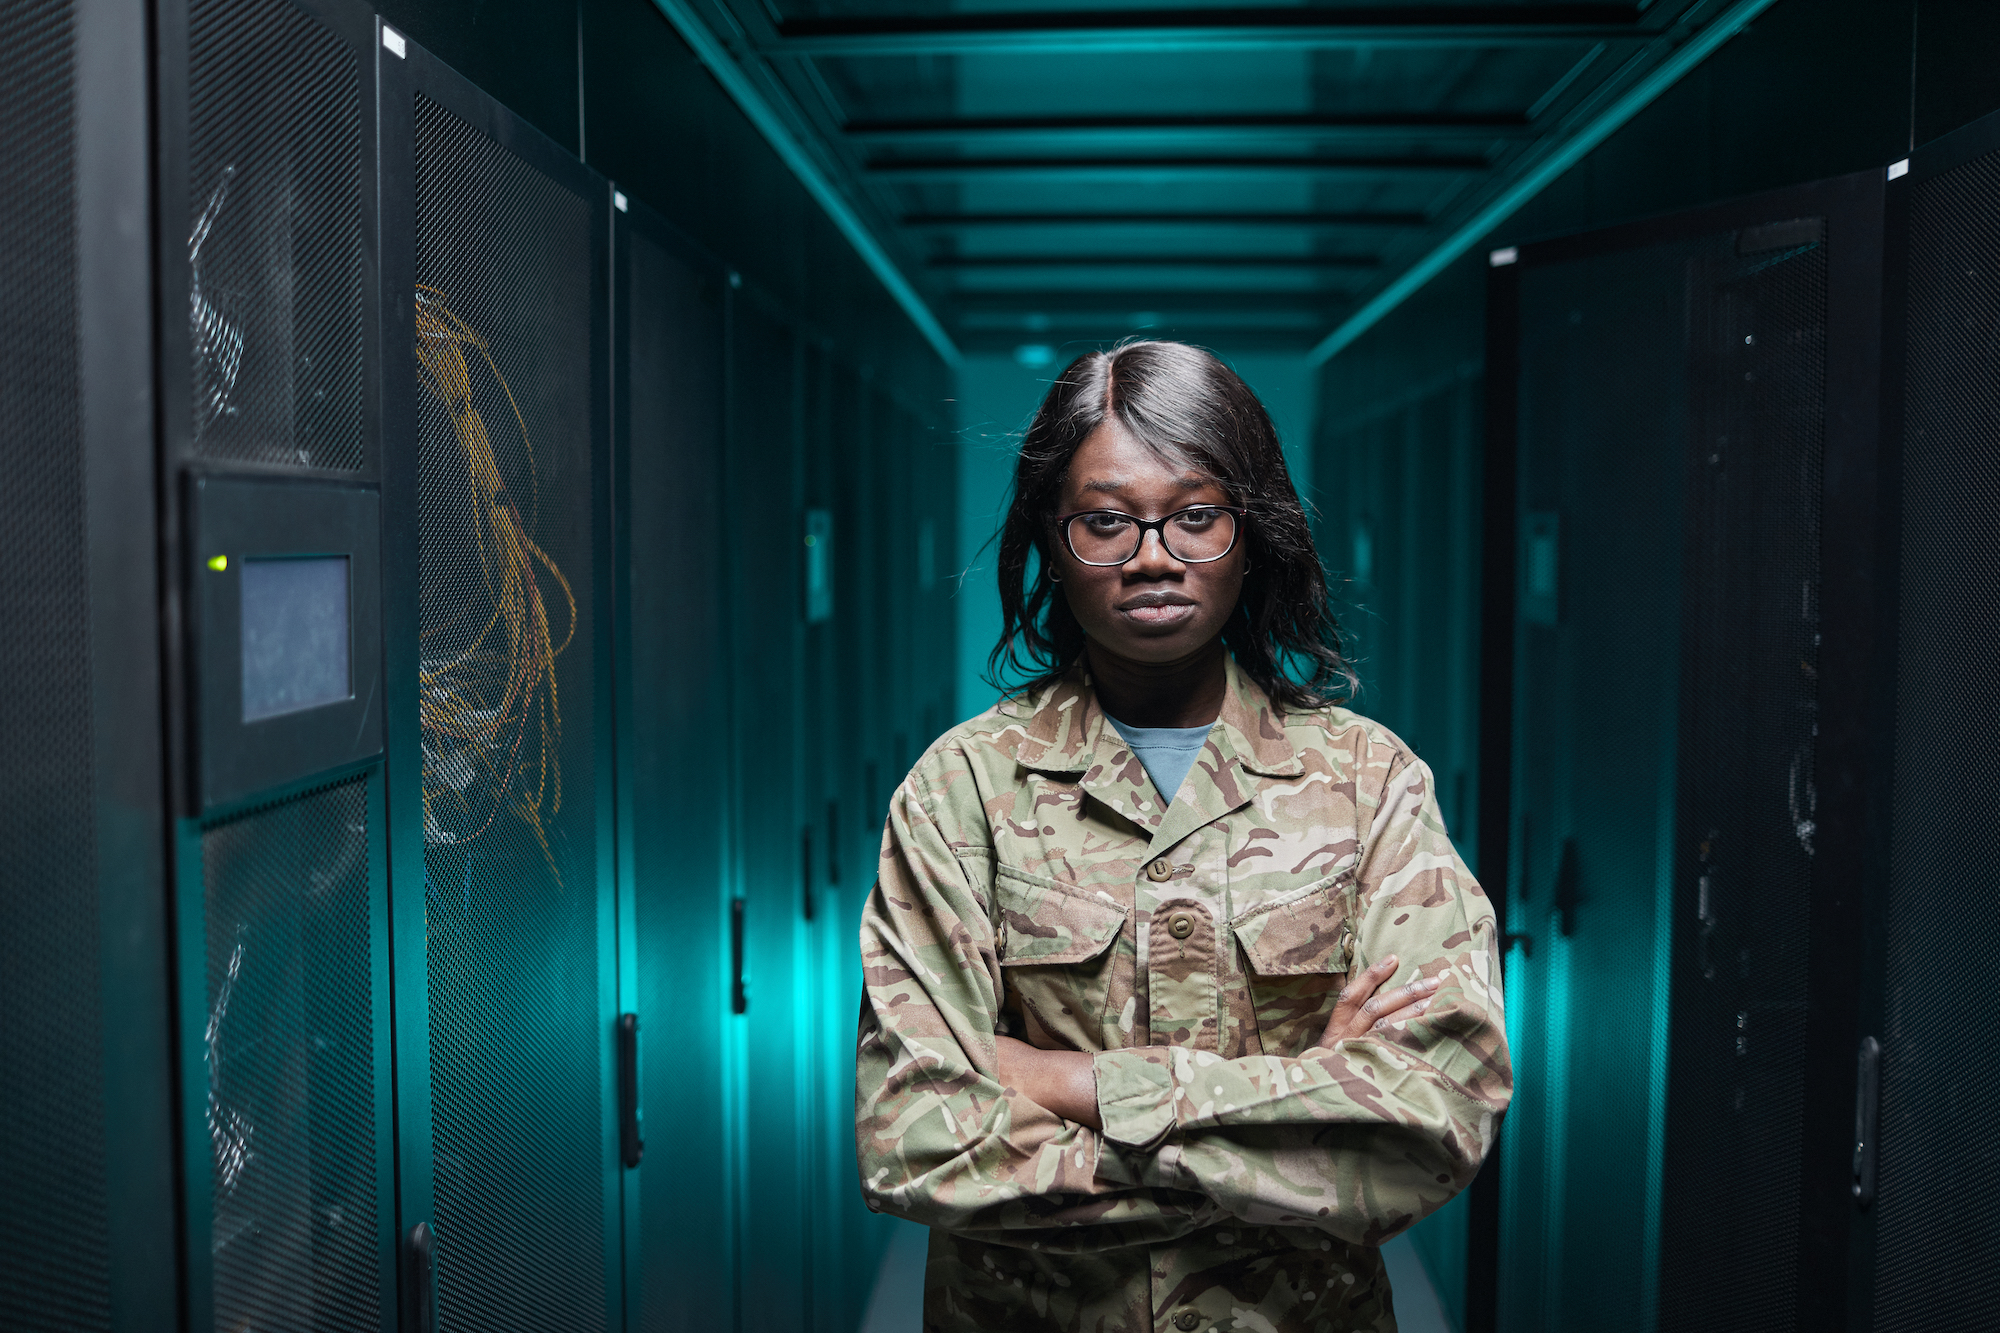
(1299, 935)
(1044, 923)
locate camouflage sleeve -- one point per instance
(940, 1141)
(1363, 1139)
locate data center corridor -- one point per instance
(504, 490)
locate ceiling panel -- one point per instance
(1275, 164)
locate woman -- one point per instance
(1179, 1001)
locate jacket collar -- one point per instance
(1069, 734)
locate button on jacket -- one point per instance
(1034, 884)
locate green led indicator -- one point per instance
(218, 563)
(811, 540)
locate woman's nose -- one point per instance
(1152, 557)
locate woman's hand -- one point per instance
(1064, 1082)
(1361, 1010)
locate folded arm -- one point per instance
(1364, 1133)
(1065, 1082)
(942, 1136)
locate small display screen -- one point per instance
(295, 635)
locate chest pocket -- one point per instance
(1297, 948)
(1056, 952)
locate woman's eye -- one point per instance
(1105, 525)
(1194, 520)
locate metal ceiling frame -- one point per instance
(1107, 31)
(1155, 261)
(1179, 130)
(818, 178)
(1563, 153)
(768, 64)
(947, 168)
(1289, 221)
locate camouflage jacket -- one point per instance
(1034, 885)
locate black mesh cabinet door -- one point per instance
(672, 815)
(293, 1140)
(276, 201)
(269, 376)
(1937, 1240)
(1694, 398)
(1747, 778)
(53, 1224)
(499, 468)
(87, 1212)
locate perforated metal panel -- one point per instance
(289, 1055)
(505, 419)
(1745, 819)
(1937, 1263)
(1672, 410)
(1602, 420)
(54, 1267)
(675, 628)
(763, 466)
(274, 236)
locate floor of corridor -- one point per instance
(898, 1302)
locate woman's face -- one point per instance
(1152, 609)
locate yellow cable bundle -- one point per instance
(481, 702)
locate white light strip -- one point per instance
(1566, 155)
(738, 85)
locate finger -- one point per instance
(1389, 1001)
(1386, 1002)
(1365, 985)
(1403, 1015)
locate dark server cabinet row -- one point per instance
(1928, 1251)
(1739, 537)
(455, 681)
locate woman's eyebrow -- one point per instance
(1190, 482)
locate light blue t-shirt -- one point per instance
(1167, 752)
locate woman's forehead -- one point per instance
(1114, 461)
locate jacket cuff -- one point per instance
(1135, 1095)
(1119, 1166)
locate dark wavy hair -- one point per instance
(1194, 413)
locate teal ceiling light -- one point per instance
(819, 182)
(1560, 156)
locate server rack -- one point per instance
(497, 257)
(305, 1030)
(671, 302)
(87, 1194)
(1682, 608)
(269, 345)
(1925, 1249)
(765, 514)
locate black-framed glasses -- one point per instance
(1193, 536)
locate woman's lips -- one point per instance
(1160, 614)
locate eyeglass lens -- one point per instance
(1103, 537)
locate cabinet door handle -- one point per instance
(420, 1281)
(806, 867)
(1867, 1118)
(738, 1000)
(630, 1146)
